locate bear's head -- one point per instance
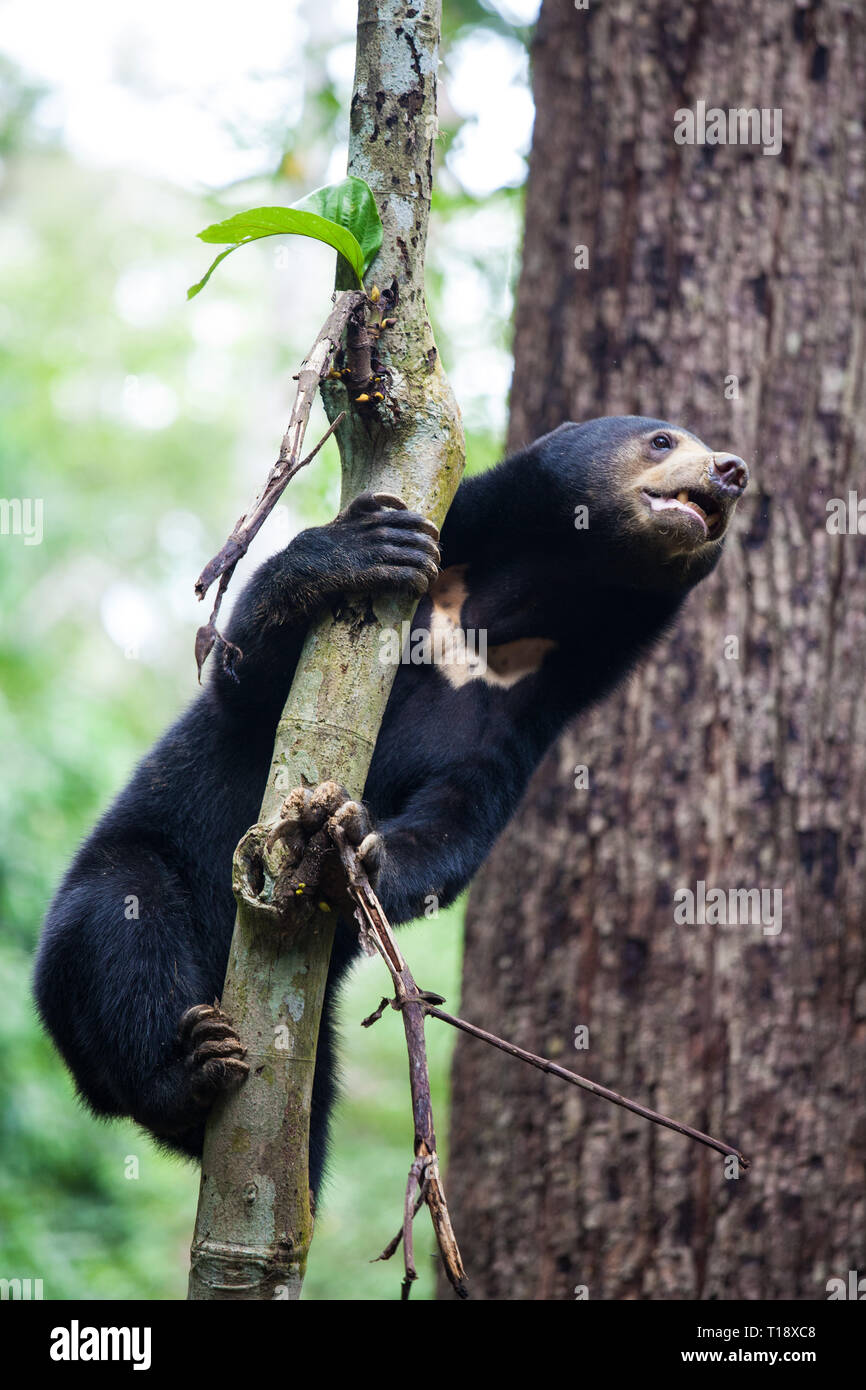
(652, 503)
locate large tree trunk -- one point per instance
(739, 763)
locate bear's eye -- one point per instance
(661, 441)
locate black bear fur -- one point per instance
(451, 761)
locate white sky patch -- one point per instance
(340, 63)
(489, 87)
(481, 379)
(217, 322)
(337, 164)
(518, 11)
(180, 533)
(147, 403)
(129, 616)
(465, 289)
(208, 377)
(144, 402)
(183, 91)
(145, 295)
(470, 298)
(157, 88)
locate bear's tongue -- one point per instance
(681, 503)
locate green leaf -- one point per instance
(350, 204)
(343, 215)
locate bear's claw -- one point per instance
(213, 1052)
(318, 870)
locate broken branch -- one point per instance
(425, 1166)
(613, 1096)
(415, 1005)
(348, 308)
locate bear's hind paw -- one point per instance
(213, 1052)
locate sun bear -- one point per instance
(556, 571)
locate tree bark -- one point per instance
(738, 763)
(254, 1225)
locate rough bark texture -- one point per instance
(742, 771)
(253, 1227)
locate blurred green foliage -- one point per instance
(144, 426)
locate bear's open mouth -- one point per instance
(693, 503)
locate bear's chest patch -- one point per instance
(462, 654)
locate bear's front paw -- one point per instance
(354, 820)
(318, 871)
(384, 546)
(212, 1051)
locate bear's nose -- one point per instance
(731, 472)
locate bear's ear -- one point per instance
(557, 446)
(567, 427)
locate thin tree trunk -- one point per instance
(740, 763)
(254, 1227)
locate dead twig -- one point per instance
(424, 1172)
(394, 1243)
(349, 308)
(592, 1086)
(415, 1005)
